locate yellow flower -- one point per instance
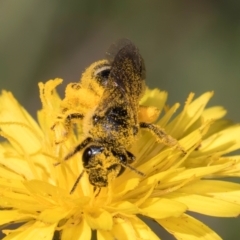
(36, 193)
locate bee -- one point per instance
(111, 118)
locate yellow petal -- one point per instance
(51, 104)
(173, 176)
(45, 190)
(124, 207)
(17, 165)
(231, 171)
(79, 231)
(99, 219)
(104, 235)
(7, 216)
(142, 230)
(216, 112)
(162, 208)
(223, 141)
(8, 174)
(48, 95)
(191, 113)
(155, 98)
(223, 190)
(207, 205)
(21, 204)
(168, 115)
(38, 230)
(53, 215)
(14, 185)
(188, 228)
(123, 229)
(19, 126)
(196, 172)
(122, 187)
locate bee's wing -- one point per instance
(126, 79)
(127, 68)
(115, 48)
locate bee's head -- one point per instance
(102, 165)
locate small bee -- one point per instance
(111, 114)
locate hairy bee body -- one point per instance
(115, 119)
(107, 101)
(85, 95)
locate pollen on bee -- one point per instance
(148, 114)
(106, 101)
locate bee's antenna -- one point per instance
(96, 190)
(133, 169)
(76, 182)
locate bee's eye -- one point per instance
(122, 158)
(105, 73)
(90, 152)
(102, 74)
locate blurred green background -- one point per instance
(188, 46)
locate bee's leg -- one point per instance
(67, 124)
(162, 136)
(68, 119)
(131, 157)
(77, 149)
(71, 116)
